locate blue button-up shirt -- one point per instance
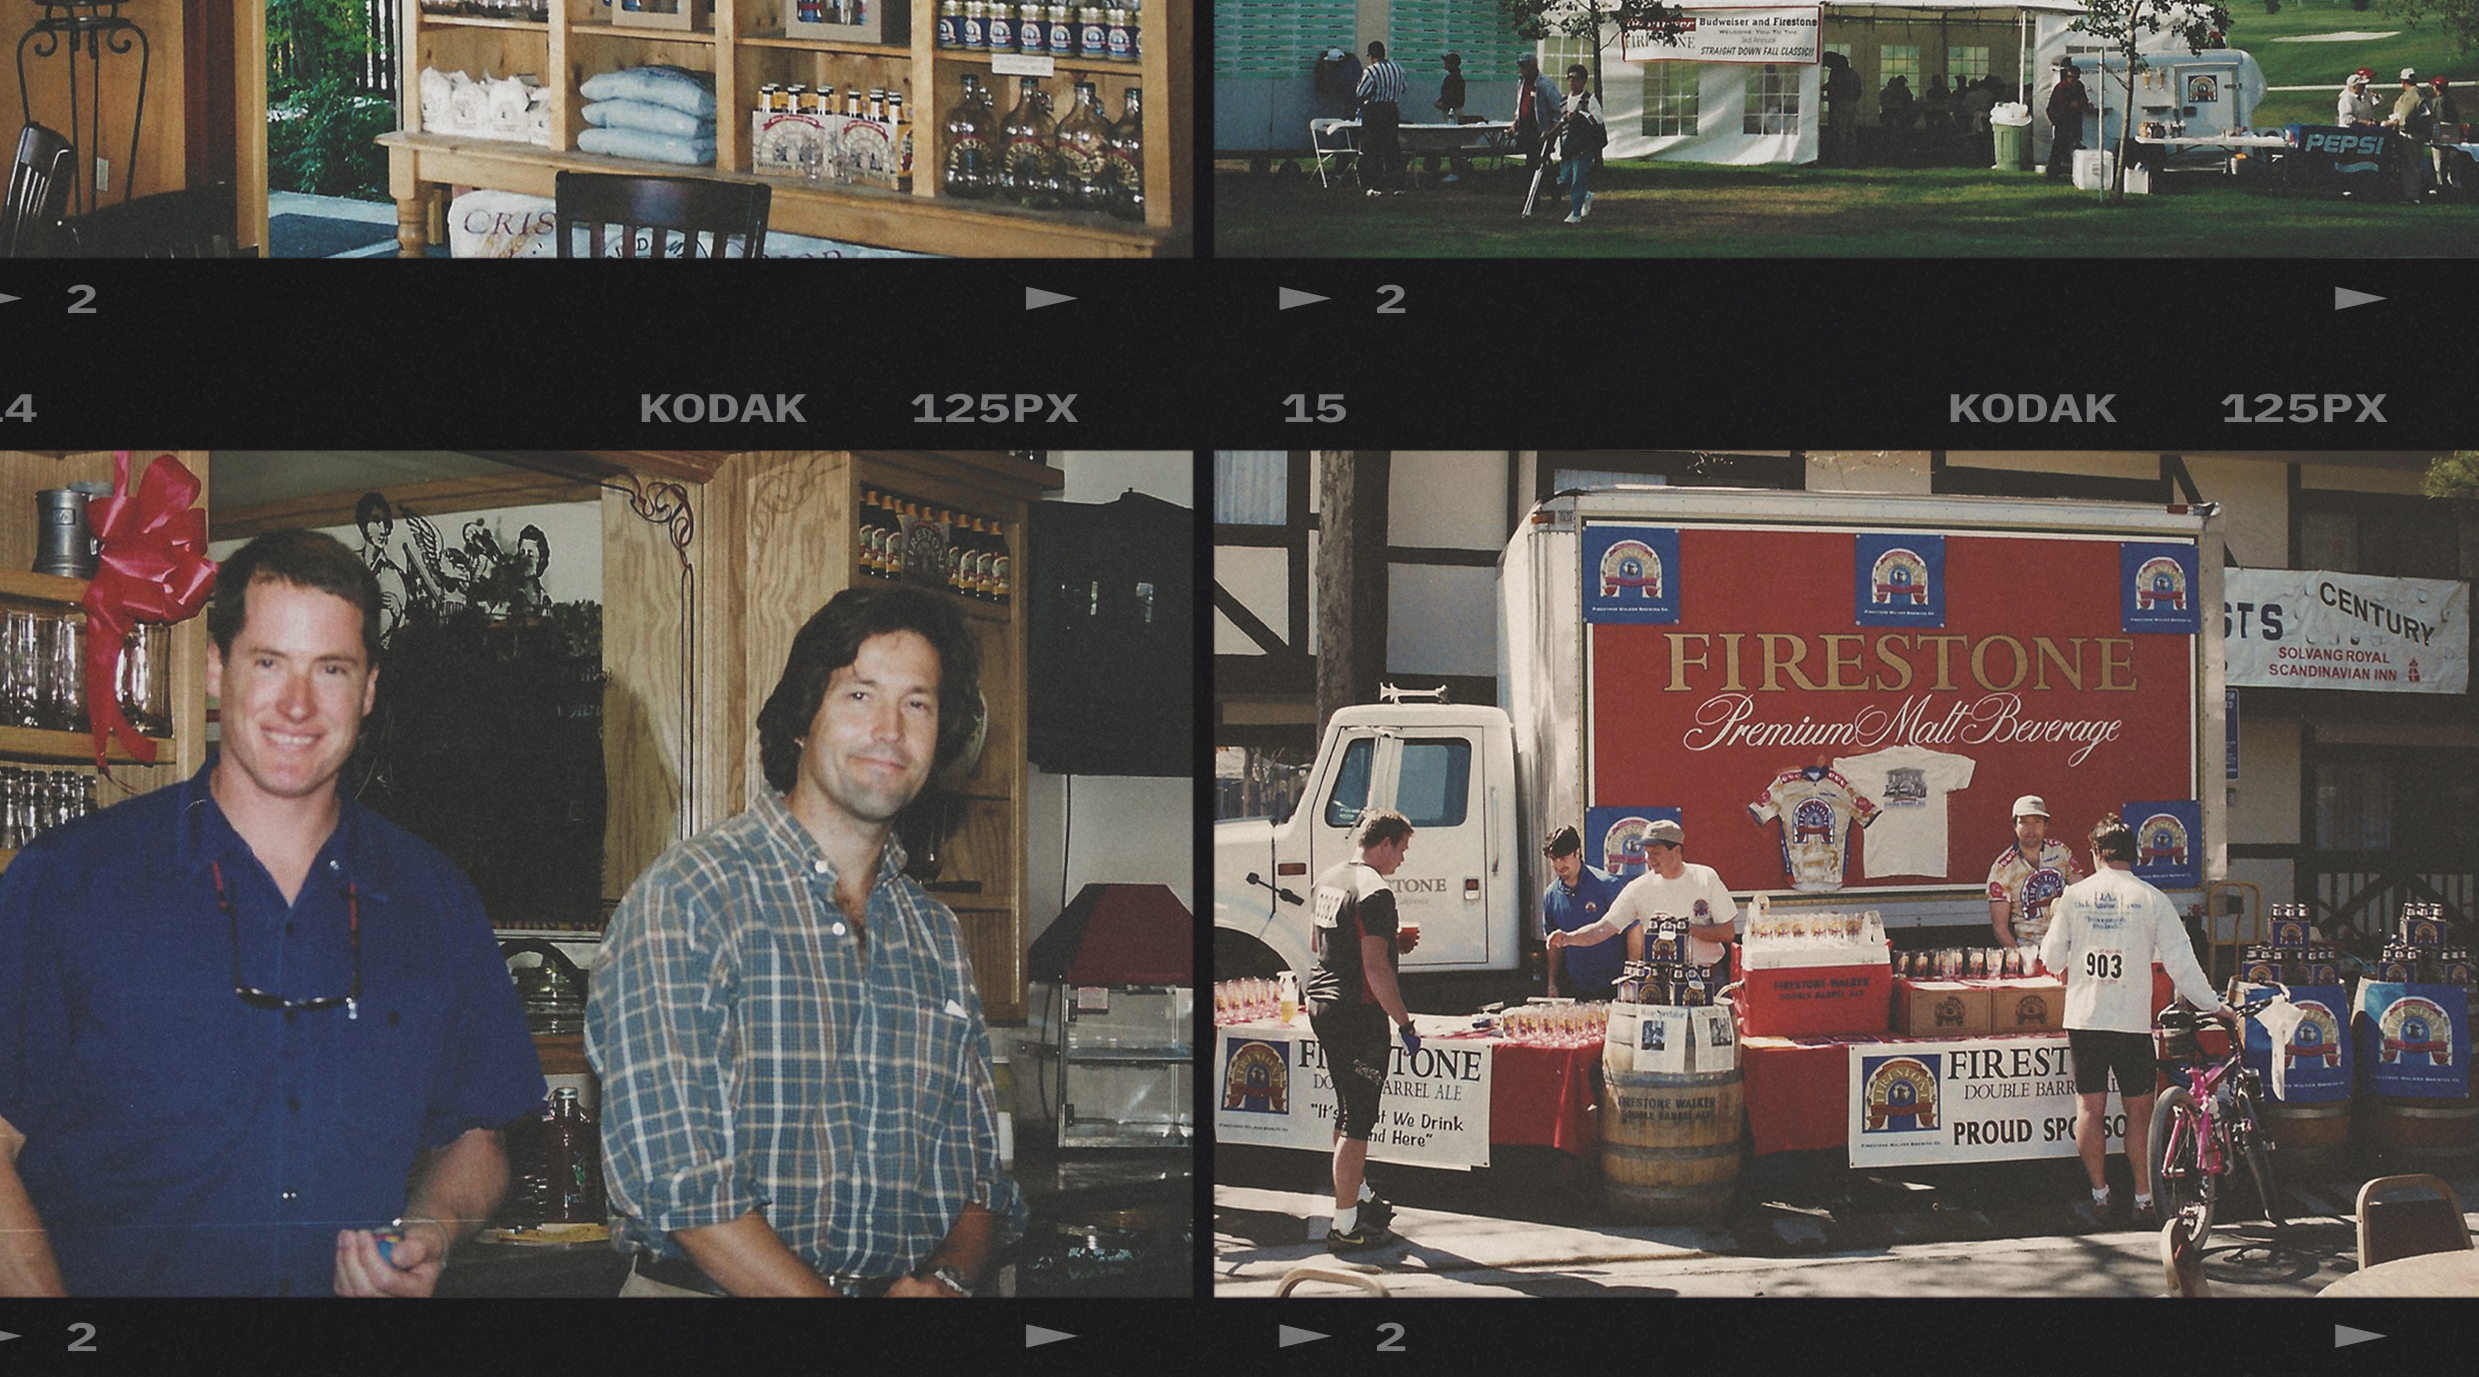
(181, 1142)
(1565, 910)
(757, 1054)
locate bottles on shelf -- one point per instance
(971, 168)
(901, 539)
(34, 801)
(1068, 32)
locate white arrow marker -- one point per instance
(1288, 297)
(1035, 1336)
(2344, 1336)
(1286, 1336)
(2344, 299)
(1035, 298)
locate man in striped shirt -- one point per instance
(1382, 85)
(797, 1094)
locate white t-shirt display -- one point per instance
(1697, 895)
(1909, 785)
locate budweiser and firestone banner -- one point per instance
(2310, 628)
(1734, 33)
(1828, 710)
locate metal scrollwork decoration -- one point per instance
(95, 27)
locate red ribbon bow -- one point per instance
(153, 567)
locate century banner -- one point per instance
(1272, 1087)
(1733, 33)
(1982, 1100)
(2312, 628)
(1847, 709)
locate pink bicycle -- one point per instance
(2204, 1125)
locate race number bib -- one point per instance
(2104, 965)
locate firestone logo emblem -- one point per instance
(2163, 841)
(2160, 583)
(1622, 848)
(1256, 1080)
(2040, 889)
(1900, 1094)
(2318, 1037)
(1812, 819)
(2416, 1027)
(1899, 576)
(1631, 564)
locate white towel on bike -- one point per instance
(2280, 1019)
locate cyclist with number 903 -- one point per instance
(2104, 934)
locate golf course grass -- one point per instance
(1695, 210)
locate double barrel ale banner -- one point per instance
(1851, 710)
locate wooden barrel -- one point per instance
(2440, 1134)
(2307, 1138)
(1670, 1144)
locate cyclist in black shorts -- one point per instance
(2104, 934)
(1351, 996)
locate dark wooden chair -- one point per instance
(2390, 1229)
(40, 180)
(194, 222)
(661, 207)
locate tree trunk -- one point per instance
(1351, 577)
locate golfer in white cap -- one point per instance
(1669, 887)
(2358, 105)
(2028, 876)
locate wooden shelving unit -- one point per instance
(746, 49)
(22, 475)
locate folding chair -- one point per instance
(1330, 140)
(2390, 1229)
(40, 180)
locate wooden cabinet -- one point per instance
(695, 636)
(178, 756)
(745, 47)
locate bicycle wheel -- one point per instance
(2258, 1151)
(2180, 1189)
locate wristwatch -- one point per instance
(952, 1279)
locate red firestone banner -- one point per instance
(1793, 740)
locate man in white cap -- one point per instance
(1669, 887)
(2028, 876)
(2415, 119)
(2358, 107)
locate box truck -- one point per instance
(1837, 696)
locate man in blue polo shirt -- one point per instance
(244, 1022)
(1580, 895)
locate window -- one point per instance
(1281, 38)
(1351, 784)
(1671, 97)
(1422, 31)
(1965, 65)
(1773, 100)
(2414, 804)
(1435, 789)
(1898, 61)
(2400, 537)
(1251, 486)
(1559, 52)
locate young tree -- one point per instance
(1589, 19)
(2125, 23)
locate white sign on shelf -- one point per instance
(1022, 64)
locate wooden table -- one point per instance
(2428, 1274)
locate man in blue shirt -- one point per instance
(244, 1022)
(1581, 896)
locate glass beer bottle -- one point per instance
(1127, 161)
(1027, 174)
(969, 169)
(1084, 153)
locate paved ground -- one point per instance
(2011, 1231)
(337, 208)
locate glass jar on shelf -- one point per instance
(1028, 170)
(1127, 161)
(1085, 175)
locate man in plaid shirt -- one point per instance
(797, 1097)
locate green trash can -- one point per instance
(2013, 133)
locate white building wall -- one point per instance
(2255, 507)
(1447, 499)
(1260, 578)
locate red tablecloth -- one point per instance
(1545, 1096)
(1798, 1091)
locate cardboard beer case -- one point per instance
(1941, 1008)
(2033, 1004)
